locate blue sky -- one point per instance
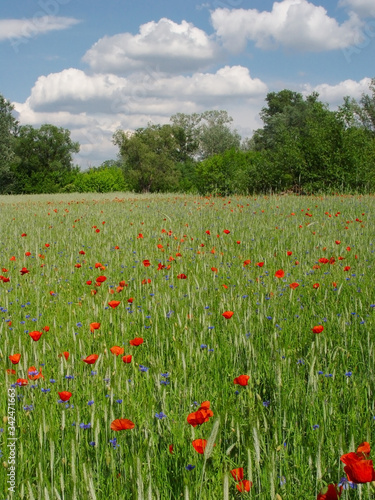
(98, 66)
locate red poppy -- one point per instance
(46, 245)
(181, 276)
(334, 284)
(136, 341)
(82, 252)
(228, 314)
(101, 279)
(170, 447)
(347, 268)
(357, 468)
(280, 273)
(226, 231)
(114, 303)
(117, 350)
(127, 358)
(208, 232)
(337, 242)
(77, 265)
(140, 236)
(23, 235)
(146, 263)
(45, 328)
(316, 286)
(12, 258)
(260, 264)
(246, 262)
(330, 492)
(34, 374)
(363, 449)
(65, 354)
(90, 360)
(199, 445)
(65, 395)
(24, 270)
(242, 380)
(294, 285)
(202, 415)
(27, 254)
(244, 485)
(35, 335)
(122, 424)
(22, 381)
(323, 260)
(214, 269)
(10, 371)
(289, 253)
(317, 329)
(15, 358)
(94, 326)
(130, 300)
(237, 474)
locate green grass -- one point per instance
(269, 338)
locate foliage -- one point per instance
(104, 179)
(8, 131)
(43, 159)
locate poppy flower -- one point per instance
(35, 335)
(45, 328)
(199, 445)
(242, 380)
(46, 245)
(82, 252)
(65, 354)
(363, 449)
(10, 371)
(90, 360)
(260, 264)
(15, 358)
(146, 263)
(181, 276)
(226, 231)
(244, 485)
(214, 269)
(65, 395)
(357, 468)
(202, 415)
(330, 492)
(127, 358)
(280, 273)
(170, 448)
(114, 303)
(12, 258)
(316, 286)
(89, 282)
(122, 424)
(337, 242)
(130, 300)
(294, 285)
(77, 265)
(136, 341)
(27, 254)
(24, 270)
(34, 374)
(246, 262)
(22, 381)
(101, 279)
(289, 253)
(23, 235)
(117, 350)
(228, 314)
(94, 326)
(323, 260)
(317, 329)
(140, 235)
(347, 268)
(334, 284)
(208, 232)
(237, 474)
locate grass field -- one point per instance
(176, 264)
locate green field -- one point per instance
(309, 397)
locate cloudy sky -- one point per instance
(95, 66)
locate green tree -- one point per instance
(43, 162)
(150, 156)
(8, 131)
(104, 179)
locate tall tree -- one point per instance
(8, 131)
(43, 162)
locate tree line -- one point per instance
(302, 147)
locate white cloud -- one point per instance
(334, 94)
(293, 24)
(364, 8)
(94, 106)
(15, 29)
(163, 45)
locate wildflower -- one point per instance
(160, 415)
(122, 424)
(199, 445)
(65, 395)
(228, 314)
(317, 329)
(190, 467)
(242, 380)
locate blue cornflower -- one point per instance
(114, 443)
(92, 443)
(348, 374)
(266, 404)
(28, 407)
(90, 403)
(85, 426)
(52, 380)
(346, 484)
(190, 467)
(143, 368)
(316, 426)
(93, 373)
(46, 390)
(160, 415)
(203, 346)
(165, 375)
(119, 401)
(165, 382)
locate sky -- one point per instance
(97, 66)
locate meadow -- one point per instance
(224, 295)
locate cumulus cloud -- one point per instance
(13, 29)
(293, 24)
(165, 45)
(364, 8)
(334, 94)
